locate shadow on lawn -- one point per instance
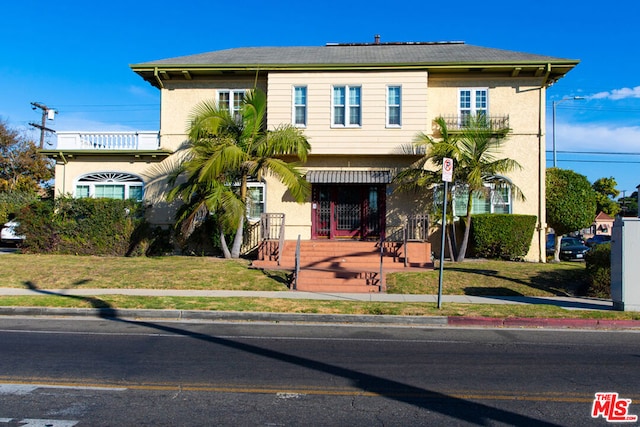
(457, 408)
(562, 283)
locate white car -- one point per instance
(8, 233)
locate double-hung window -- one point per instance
(300, 106)
(394, 97)
(255, 200)
(347, 108)
(231, 100)
(472, 103)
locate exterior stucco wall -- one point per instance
(179, 98)
(67, 175)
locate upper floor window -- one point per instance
(473, 102)
(394, 97)
(300, 106)
(110, 185)
(231, 100)
(347, 106)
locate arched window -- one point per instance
(110, 185)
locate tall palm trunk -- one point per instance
(237, 240)
(467, 231)
(223, 244)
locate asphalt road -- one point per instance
(120, 373)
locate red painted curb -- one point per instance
(474, 321)
(530, 322)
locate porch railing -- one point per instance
(146, 140)
(459, 123)
(272, 228)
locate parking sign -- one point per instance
(447, 169)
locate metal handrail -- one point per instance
(296, 272)
(281, 240)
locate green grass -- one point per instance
(496, 278)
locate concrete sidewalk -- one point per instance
(569, 303)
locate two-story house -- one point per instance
(360, 105)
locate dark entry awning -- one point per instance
(349, 177)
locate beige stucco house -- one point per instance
(360, 105)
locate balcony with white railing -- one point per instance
(108, 141)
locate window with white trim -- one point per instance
(346, 106)
(110, 185)
(394, 98)
(495, 200)
(255, 200)
(472, 103)
(300, 106)
(231, 100)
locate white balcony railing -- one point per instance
(147, 140)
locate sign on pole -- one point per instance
(447, 177)
(447, 169)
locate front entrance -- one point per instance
(348, 211)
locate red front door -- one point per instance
(353, 211)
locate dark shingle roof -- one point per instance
(382, 54)
(434, 57)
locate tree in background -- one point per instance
(629, 205)
(24, 172)
(22, 167)
(606, 192)
(571, 203)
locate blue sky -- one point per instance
(74, 56)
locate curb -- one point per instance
(237, 316)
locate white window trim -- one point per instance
(473, 109)
(347, 106)
(388, 108)
(231, 93)
(92, 180)
(264, 198)
(492, 197)
(294, 106)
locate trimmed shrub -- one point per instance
(598, 264)
(502, 236)
(89, 227)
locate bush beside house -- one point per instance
(598, 264)
(89, 227)
(502, 236)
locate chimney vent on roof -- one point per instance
(376, 39)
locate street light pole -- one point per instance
(554, 104)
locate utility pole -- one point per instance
(47, 113)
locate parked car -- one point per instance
(598, 239)
(8, 233)
(572, 249)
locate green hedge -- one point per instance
(598, 264)
(89, 227)
(502, 236)
(11, 202)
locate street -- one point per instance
(115, 372)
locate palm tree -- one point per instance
(475, 164)
(223, 153)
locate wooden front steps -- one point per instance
(343, 265)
